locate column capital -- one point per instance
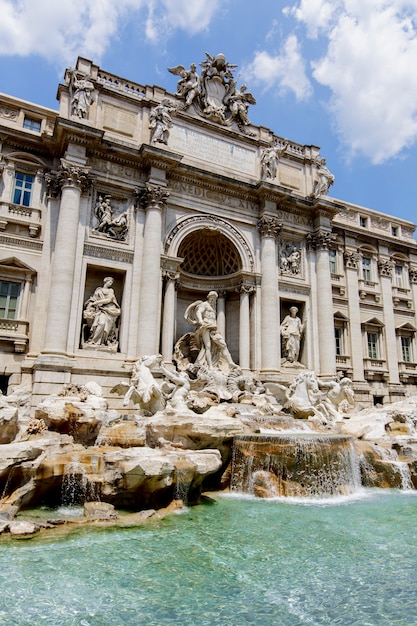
(170, 275)
(154, 196)
(68, 176)
(352, 259)
(269, 226)
(246, 288)
(385, 267)
(319, 240)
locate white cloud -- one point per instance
(370, 68)
(62, 29)
(286, 70)
(316, 14)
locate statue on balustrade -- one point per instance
(81, 94)
(101, 313)
(270, 158)
(292, 329)
(160, 121)
(324, 179)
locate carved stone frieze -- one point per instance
(269, 226)
(9, 113)
(352, 259)
(385, 268)
(290, 258)
(107, 223)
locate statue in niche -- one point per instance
(324, 179)
(101, 313)
(292, 329)
(114, 227)
(290, 262)
(270, 158)
(188, 85)
(160, 121)
(81, 93)
(212, 346)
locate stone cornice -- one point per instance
(153, 156)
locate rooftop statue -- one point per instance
(215, 93)
(160, 121)
(324, 179)
(270, 158)
(81, 94)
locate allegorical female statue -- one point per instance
(101, 313)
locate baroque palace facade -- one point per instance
(129, 203)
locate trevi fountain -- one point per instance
(305, 500)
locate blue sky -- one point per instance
(339, 74)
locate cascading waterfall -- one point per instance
(76, 488)
(301, 465)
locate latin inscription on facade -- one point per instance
(213, 196)
(205, 148)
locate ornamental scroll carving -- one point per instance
(385, 268)
(269, 226)
(68, 175)
(352, 259)
(413, 275)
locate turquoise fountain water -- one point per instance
(287, 562)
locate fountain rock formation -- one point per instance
(186, 423)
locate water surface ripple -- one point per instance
(232, 563)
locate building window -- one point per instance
(399, 276)
(363, 221)
(366, 269)
(406, 349)
(338, 336)
(394, 231)
(333, 261)
(9, 299)
(372, 339)
(23, 186)
(32, 124)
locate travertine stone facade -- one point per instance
(128, 203)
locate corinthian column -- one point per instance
(154, 200)
(244, 326)
(168, 323)
(352, 260)
(327, 351)
(71, 181)
(385, 268)
(269, 229)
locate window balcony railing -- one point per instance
(16, 332)
(22, 215)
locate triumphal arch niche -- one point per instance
(212, 255)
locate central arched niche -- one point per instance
(211, 262)
(208, 252)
